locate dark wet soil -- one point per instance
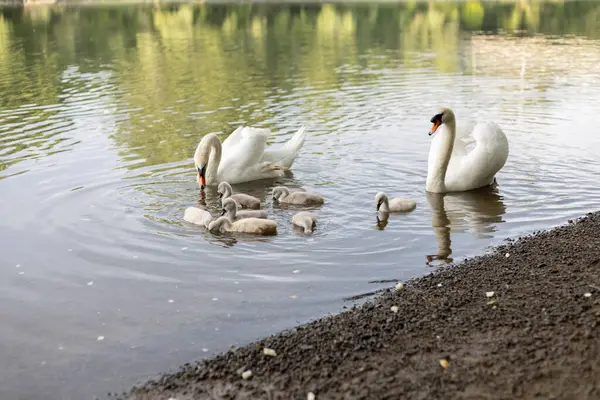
(537, 336)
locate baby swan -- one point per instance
(244, 200)
(198, 216)
(305, 220)
(247, 225)
(230, 211)
(393, 205)
(283, 195)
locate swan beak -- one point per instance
(222, 212)
(436, 125)
(201, 178)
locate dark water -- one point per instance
(101, 110)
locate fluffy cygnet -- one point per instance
(198, 216)
(306, 220)
(283, 195)
(230, 210)
(394, 205)
(243, 200)
(256, 226)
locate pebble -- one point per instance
(269, 352)
(588, 295)
(444, 363)
(489, 294)
(507, 255)
(394, 309)
(310, 396)
(439, 285)
(399, 286)
(246, 374)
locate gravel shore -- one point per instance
(519, 322)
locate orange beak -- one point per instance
(434, 128)
(201, 181)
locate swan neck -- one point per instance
(214, 159)
(439, 157)
(385, 205)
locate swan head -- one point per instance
(380, 199)
(201, 156)
(443, 117)
(224, 190)
(279, 191)
(229, 207)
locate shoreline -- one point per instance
(521, 321)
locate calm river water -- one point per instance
(101, 282)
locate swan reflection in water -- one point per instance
(477, 211)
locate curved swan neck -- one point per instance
(214, 159)
(439, 157)
(385, 205)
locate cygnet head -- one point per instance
(279, 191)
(219, 224)
(229, 208)
(201, 156)
(443, 117)
(224, 190)
(380, 198)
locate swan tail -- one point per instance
(286, 156)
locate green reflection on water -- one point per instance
(184, 70)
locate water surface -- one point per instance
(101, 282)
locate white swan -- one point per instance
(248, 225)
(451, 167)
(242, 156)
(198, 216)
(241, 199)
(306, 220)
(230, 210)
(384, 204)
(282, 194)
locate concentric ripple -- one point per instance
(96, 172)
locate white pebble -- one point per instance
(246, 374)
(100, 338)
(269, 352)
(394, 309)
(399, 286)
(507, 255)
(489, 294)
(588, 295)
(439, 285)
(310, 396)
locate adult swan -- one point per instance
(451, 167)
(242, 156)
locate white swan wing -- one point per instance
(244, 152)
(476, 168)
(232, 140)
